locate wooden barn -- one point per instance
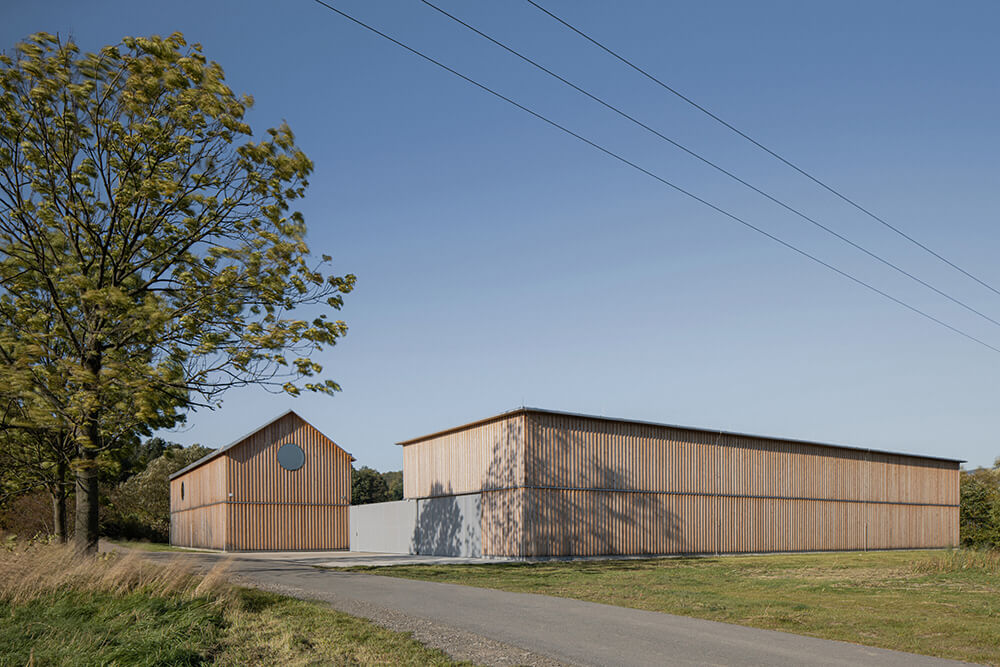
(284, 486)
(545, 483)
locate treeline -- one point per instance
(371, 486)
(979, 511)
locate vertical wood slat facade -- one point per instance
(577, 486)
(198, 507)
(252, 503)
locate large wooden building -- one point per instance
(559, 484)
(284, 486)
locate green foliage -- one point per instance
(139, 507)
(979, 511)
(147, 220)
(135, 458)
(368, 486)
(394, 481)
(371, 486)
(149, 256)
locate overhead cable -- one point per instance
(764, 148)
(713, 165)
(653, 175)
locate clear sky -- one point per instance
(501, 263)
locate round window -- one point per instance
(291, 456)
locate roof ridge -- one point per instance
(217, 452)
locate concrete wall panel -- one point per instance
(384, 527)
(450, 526)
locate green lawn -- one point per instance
(57, 608)
(944, 604)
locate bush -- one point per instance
(30, 515)
(979, 512)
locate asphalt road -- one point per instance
(563, 630)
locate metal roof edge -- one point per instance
(580, 415)
(211, 455)
(455, 429)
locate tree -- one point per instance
(368, 486)
(149, 259)
(979, 508)
(133, 459)
(33, 458)
(394, 483)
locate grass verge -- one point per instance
(151, 546)
(945, 604)
(57, 608)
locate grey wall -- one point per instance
(444, 526)
(450, 526)
(383, 527)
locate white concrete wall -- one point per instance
(384, 527)
(443, 526)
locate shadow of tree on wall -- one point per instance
(448, 525)
(574, 502)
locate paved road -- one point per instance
(566, 631)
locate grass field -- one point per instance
(937, 603)
(60, 609)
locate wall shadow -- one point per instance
(574, 500)
(448, 525)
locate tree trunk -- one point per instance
(59, 503)
(87, 527)
(86, 530)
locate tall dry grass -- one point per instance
(958, 560)
(60, 608)
(33, 569)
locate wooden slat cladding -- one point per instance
(586, 523)
(244, 500)
(488, 455)
(503, 522)
(202, 527)
(280, 527)
(609, 487)
(254, 473)
(566, 485)
(573, 452)
(202, 486)
(198, 516)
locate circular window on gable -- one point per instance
(291, 457)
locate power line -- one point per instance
(710, 163)
(653, 175)
(764, 148)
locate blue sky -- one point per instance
(501, 263)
